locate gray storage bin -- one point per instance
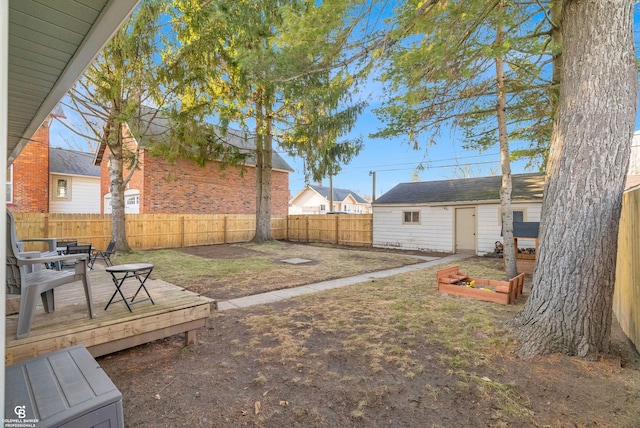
(65, 388)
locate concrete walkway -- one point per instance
(277, 295)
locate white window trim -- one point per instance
(54, 189)
(132, 200)
(411, 222)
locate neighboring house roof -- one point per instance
(155, 126)
(71, 162)
(526, 187)
(338, 194)
(50, 45)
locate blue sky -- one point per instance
(394, 161)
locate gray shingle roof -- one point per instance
(526, 187)
(72, 162)
(154, 126)
(338, 194)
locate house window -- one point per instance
(323, 207)
(411, 217)
(133, 200)
(62, 188)
(10, 184)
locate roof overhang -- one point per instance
(455, 203)
(50, 46)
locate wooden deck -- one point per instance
(176, 311)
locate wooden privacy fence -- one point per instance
(154, 231)
(339, 229)
(626, 298)
(146, 231)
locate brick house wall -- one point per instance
(185, 188)
(31, 175)
(136, 181)
(104, 178)
(208, 190)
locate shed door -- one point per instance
(465, 230)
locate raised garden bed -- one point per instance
(452, 281)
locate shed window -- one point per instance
(411, 217)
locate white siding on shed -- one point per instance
(436, 229)
(85, 197)
(433, 233)
(490, 224)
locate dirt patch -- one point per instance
(384, 353)
(221, 251)
(224, 272)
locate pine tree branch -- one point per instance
(546, 15)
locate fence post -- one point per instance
(307, 227)
(337, 229)
(224, 230)
(182, 232)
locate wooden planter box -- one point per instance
(504, 292)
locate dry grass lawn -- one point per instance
(224, 272)
(384, 353)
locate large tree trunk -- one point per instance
(264, 153)
(118, 229)
(116, 170)
(569, 309)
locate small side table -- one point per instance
(140, 271)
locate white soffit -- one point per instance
(51, 43)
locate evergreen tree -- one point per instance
(439, 75)
(273, 68)
(110, 94)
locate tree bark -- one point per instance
(569, 309)
(509, 253)
(116, 169)
(264, 153)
